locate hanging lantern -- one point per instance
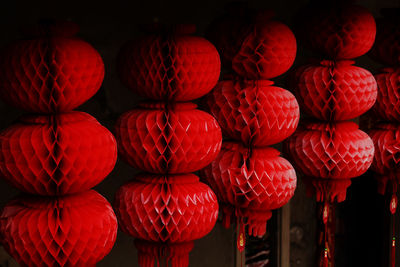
(254, 112)
(328, 150)
(176, 66)
(60, 154)
(387, 106)
(168, 139)
(53, 71)
(250, 183)
(334, 90)
(72, 230)
(165, 214)
(340, 31)
(330, 153)
(166, 209)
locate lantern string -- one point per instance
(325, 216)
(393, 207)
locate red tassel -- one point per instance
(326, 260)
(241, 240)
(393, 259)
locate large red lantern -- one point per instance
(249, 178)
(328, 150)
(334, 91)
(72, 230)
(176, 67)
(49, 155)
(168, 209)
(254, 112)
(53, 71)
(168, 139)
(254, 182)
(59, 155)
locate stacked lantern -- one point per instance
(329, 150)
(167, 208)
(386, 134)
(250, 178)
(59, 154)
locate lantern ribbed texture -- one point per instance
(327, 149)
(249, 178)
(59, 154)
(167, 208)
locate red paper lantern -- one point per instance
(73, 230)
(330, 152)
(252, 181)
(266, 52)
(57, 154)
(340, 31)
(387, 104)
(254, 112)
(334, 91)
(52, 73)
(177, 138)
(176, 67)
(169, 212)
(254, 45)
(386, 162)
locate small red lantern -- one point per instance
(72, 230)
(168, 139)
(52, 72)
(340, 31)
(58, 154)
(169, 212)
(331, 152)
(176, 66)
(252, 182)
(387, 106)
(334, 91)
(254, 112)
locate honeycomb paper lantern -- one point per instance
(166, 210)
(56, 155)
(254, 112)
(176, 67)
(331, 152)
(52, 73)
(334, 91)
(253, 182)
(255, 46)
(340, 31)
(73, 230)
(60, 154)
(386, 138)
(387, 106)
(168, 139)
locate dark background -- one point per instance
(107, 25)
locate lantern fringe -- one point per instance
(327, 189)
(150, 253)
